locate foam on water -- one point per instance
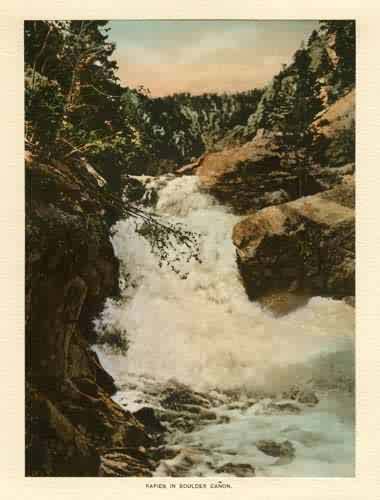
(204, 332)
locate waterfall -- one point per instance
(203, 330)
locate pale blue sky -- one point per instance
(199, 56)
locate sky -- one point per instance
(204, 56)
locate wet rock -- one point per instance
(181, 464)
(164, 452)
(274, 449)
(237, 470)
(176, 398)
(185, 424)
(148, 417)
(224, 419)
(72, 269)
(280, 303)
(120, 464)
(305, 245)
(303, 396)
(241, 405)
(283, 407)
(207, 415)
(308, 398)
(350, 300)
(291, 393)
(190, 168)
(235, 406)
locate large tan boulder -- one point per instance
(307, 244)
(248, 177)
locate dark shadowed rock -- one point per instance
(350, 300)
(149, 419)
(179, 396)
(71, 270)
(282, 407)
(57, 447)
(120, 464)
(274, 449)
(304, 396)
(308, 398)
(238, 470)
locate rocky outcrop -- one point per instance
(307, 244)
(257, 174)
(249, 177)
(70, 270)
(273, 449)
(190, 168)
(336, 128)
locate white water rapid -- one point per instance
(204, 332)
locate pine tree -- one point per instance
(298, 110)
(71, 84)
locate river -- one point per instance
(204, 332)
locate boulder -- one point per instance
(307, 244)
(282, 407)
(237, 470)
(120, 464)
(250, 176)
(179, 397)
(149, 419)
(305, 396)
(274, 449)
(308, 397)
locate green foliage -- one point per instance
(174, 130)
(294, 96)
(345, 46)
(72, 95)
(44, 106)
(76, 107)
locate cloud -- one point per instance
(200, 56)
(163, 79)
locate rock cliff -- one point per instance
(71, 420)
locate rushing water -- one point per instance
(203, 331)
